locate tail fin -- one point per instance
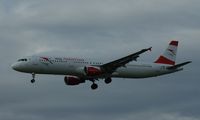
(169, 56)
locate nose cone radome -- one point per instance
(15, 66)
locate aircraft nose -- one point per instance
(15, 66)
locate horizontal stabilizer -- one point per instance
(178, 65)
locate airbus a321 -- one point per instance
(78, 70)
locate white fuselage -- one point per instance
(78, 70)
(74, 66)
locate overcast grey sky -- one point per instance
(99, 29)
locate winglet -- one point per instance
(150, 49)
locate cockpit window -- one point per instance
(22, 60)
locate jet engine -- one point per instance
(92, 71)
(73, 80)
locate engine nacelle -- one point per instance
(72, 80)
(92, 71)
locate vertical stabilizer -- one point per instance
(169, 56)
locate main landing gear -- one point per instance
(33, 78)
(108, 80)
(94, 86)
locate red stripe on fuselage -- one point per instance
(163, 60)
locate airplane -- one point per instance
(78, 70)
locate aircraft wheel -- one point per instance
(94, 86)
(33, 81)
(108, 80)
(33, 78)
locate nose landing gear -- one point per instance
(33, 78)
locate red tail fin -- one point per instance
(169, 56)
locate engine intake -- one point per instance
(73, 80)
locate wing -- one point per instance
(112, 66)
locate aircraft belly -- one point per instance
(59, 69)
(62, 69)
(131, 72)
